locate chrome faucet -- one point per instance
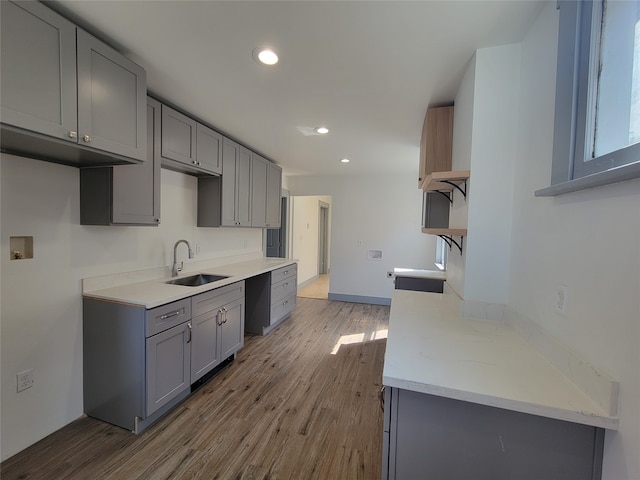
(177, 269)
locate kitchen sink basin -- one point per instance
(197, 280)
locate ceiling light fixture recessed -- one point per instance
(321, 130)
(265, 55)
(345, 160)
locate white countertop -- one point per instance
(430, 349)
(153, 293)
(418, 273)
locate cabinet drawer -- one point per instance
(214, 299)
(284, 272)
(283, 288)
(282, 307)
(166, 316)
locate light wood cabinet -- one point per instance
(436, 142)
(66, 96)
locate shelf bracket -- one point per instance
(456, 186)
(446, 195)
(450, 241)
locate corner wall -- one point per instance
(588, 241)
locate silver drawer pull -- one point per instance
(73, 134)
(169, 315)
(190, 332)
(285, 284)
(285, 302)
(285, 272)
(87, 138)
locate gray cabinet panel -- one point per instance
(205, 354)
(125, 195)
(259, 169)
(232, 328)
(268, 300)
(168, 366)
(38, 65)
(208, 149)
(244, 188)
(178, 136)
(437, 437)
(274, 193)
(230, 156)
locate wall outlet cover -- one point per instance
(562, 297)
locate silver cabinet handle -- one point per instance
(285, 272)
(169, 315)
(219, 315)
(285, 284)
(73, 134)
(224, 309)
(190, 332)
(285, 302)
(87, 138)
(194, 162)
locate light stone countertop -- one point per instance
(156, 292)
(432, 350)
(419, 273)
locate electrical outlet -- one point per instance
(562, 297)
(197, 249)
(25, 380)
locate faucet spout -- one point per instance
(177, 269)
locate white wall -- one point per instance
(305, 233)
(588, 241)
(381, 211)
(41, 307)
(485, 127)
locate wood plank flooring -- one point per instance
(287, 408)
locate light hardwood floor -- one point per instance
(319, 288)
(287, 408)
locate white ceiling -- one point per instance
(365, 69)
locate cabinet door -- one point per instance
(243, 197)
(208, 149)
(274, 193)
(259, 170)
(232, 328)
(436, 142)
(112, 99)
(178, 136)
(168, 365)
(230, 154)
(204, 349)
(136, 188)
(38, 65)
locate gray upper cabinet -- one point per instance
(266, 186)
(259, 169)
(51, 106)
(209, 149)
(113, 116)
(38, 88)
(188, 146)
(274, 193)
(236, 185)
(178, 137)
(125, 194)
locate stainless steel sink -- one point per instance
(197, 280)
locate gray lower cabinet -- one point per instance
(125, 195)
(426, 436)
(139, 363)
(271, 297)
(218, 327)
(50, 107)
(188, 146)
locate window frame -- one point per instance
(569, 171)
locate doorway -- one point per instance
(323, 238)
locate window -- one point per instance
(597, 119)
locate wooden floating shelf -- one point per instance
(457, 232)
(436, 181)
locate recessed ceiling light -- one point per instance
(321, 130)
(345, 160)
(265, 55)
